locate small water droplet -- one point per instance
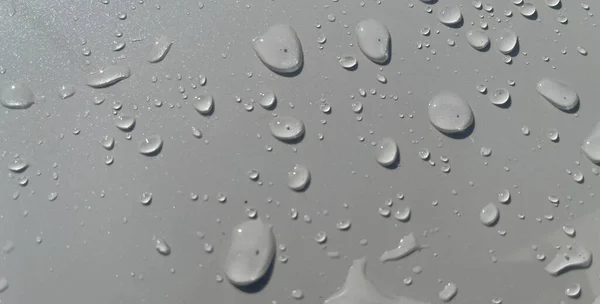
(448, 292)
(573, 290)
(162, 247)
(159, 49)
(52, 196)
(343, 224)
(125, 123)
(582, 51)
(267, 100)
(504, 196)
(553, 135)
(66, 91)
(485, 151)
(204, 104)
(528, 10)
(18, 165)
(478, 39)
(500, 97)
(297, 294)
(321, 237)
(107, 142)
(107, 76)
(287, 128)
(568, 230)
(552, 3)
(403, 215)
(146, 198)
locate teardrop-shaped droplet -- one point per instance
(387, 152)
(159, 49)
(204, 104)
(591, 145)
(268, 100)
(298, 178)
(528, 10)
(489, 214)
(162, 247)
(500, 97)
(286, 128)
(450, 15)
(348, 62)
(558, 94)
(507, 41)
(125, 123)
(251, 252)
(449, 113)
(150, 145)
(17, 96)
(478, 39)
(108, 76)
(373, 40)
(279, 49)
(448, 292)
(18, 165)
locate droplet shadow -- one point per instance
(573, 110)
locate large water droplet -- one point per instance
(251, 252)
(108, 76)
(449, 113)
(578, 257)
(348, 62)
(204, 104)
(408, 245)
(402, 215)
(162, 247)
(298, 178)
(448, 292)
(558, 94)
(387, 152)
(478, 39)
(507, 41)
(159, 49)
(500, 97)
(373, 39)
(150, 145)
(125, 123)
(279, 49)
(18, 165)
(17, 96)
(286, 128)
(450, 15)
(489, 214)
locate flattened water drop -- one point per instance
(18, 165)
(500, 97)
(17, 96)
(489, 214)
(578, 257)
(387, 152)
(478, 39)
(403, 215)
(591, 145)
(250, 253)
(150, 145)
(450, 290)
(558, 94)
(108, 76)
(408, 245)
(286, 128)
(449, 113)
(159, 49)
(298, 178)
(507, 41)
(204, 104)
(373, 40)
(348, 62)
(450, 15)
(279, 49)
(125, 123)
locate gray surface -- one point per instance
(88, 252)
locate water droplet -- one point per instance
(159, 49)
(146, 198)
(525, 130)
(591, 145)
(500, 97)
(162, 247)
(253, 175)
(450, 15)
(481, 88)
(66, 91)
(279, 49)
(387, 152)
(477, 4)
(553, 135)
(298, 178)
(552, 3)
(297, 294)
(267, 100)
(150, 145)
(125, 123)
(348, 62)
(208, 248)
(343, 224)
(3, 284)
(107, 142)
(568, 230)
(221, 197)
(528, 10)
(287, 128)
(357, 107)
(204, 104)
(108, 76)
(507, 41)
(448, 292)
(408, 244)
(573, 290)
(582, 51)
(558, 94)
(449, 113)
(578, 257)
(17, 96)
(403, 215)
(374, 40)
(478, 39)
(18, 165)
(504, 196)
(578, 177)
(489, 214)
(485, 151)
(321, 237)
(251, 252)
(563, 20)
(196, 132)
(52, 196)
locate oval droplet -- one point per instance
(108, 76)
(18, 165)
(500, 97)
(403, 215)
(387, 152)
(573, 291)
(150, 145)
(204, 104)
(478, 39)
(146, 198)
(449, 113)
(17, 96)
(373, 40)
(507, 42)
(162, 247)
(125, 123)
(489, 214)
(298, 178)
(450, 15)
(504, 196)
(287, 128)
(528, 10)
(558, 94)
(250, 253)
(107, 142)
(450, 290)
(159, 49)
(279, 49)
(348, 62)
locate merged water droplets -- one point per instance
(204, 104)
(279, 49)
(387, 152)
(150, 145)
(298, 178)
(478, 39)
(108, 76)
(125, 123)
(408, 245)
(449, 113)
(250, 253)
(558, 94)
(500, 97)
(577, 257)
(287, 128)
(507, 42)
(159, 49)
(489, 214)
(373, 40)
(450, 15)
(17, 96)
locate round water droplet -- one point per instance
(424, 154)
(279, 49)
(500, 97)
(357, 107)
(481, 88)
(477, 4)
(489, 214)
(17, 96)
(297, 294)
(573, 290)
(373, 40)
(450, 290)
(485, 151)
(387, 152)
(287, 128)
(146, 198)
(204, 104)
(108, 76)
(253, 175)
(125, 123)
(159, 49)
(504, 196)
(449, 113)
(553, 135)
(343, 225)
(18, 165)
(221, 197)
(558, 94)
(150, 145)
(525, 130)
(162, 247)
(402, 215)
(478, 39)
(507, 41)
(298, 178)
(552, 3)
(528, 10)
(578, 177)
(348, 62)
(563, 20)
(450, 15)
(321, 237)
(267, 100)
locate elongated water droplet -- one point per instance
(348, 62)
(578, 257)
(507, 41)
(298, 178)
(500, 97)
(558, 94)
(408, 245)
(108, 76)
(125, 123)
(250, 253)
(403, 215)
(450, 290)
(450, 15)
(267, 100)
(159, 49)
(204, 104)
(18, 165)
(150, 145)
(17, 96)
(279, 49)
(162, 247)
(373, 40)
(287, 128)
(573, 290)
(528, 10)
(449, 113)
(478, 39)
(489, 214)
(387, 152)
